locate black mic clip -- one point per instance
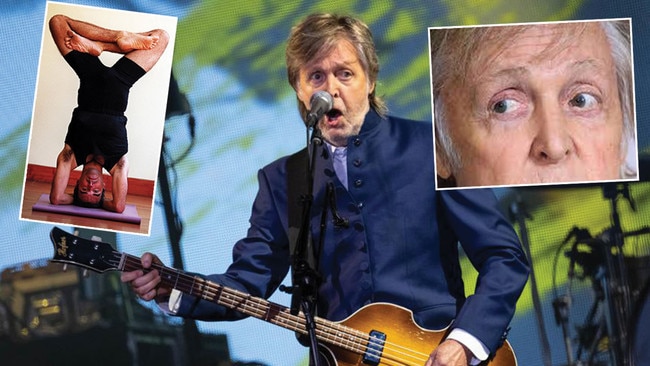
(316, 136)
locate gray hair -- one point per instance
(619, 37)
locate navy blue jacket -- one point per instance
(401, 245)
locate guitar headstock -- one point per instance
(93, 255)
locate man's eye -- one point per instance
(583, 100)
(345, 74)
(503, 106)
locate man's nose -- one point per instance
(552, 140)
(331, 86)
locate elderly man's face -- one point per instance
(342, 75)
(544, 108)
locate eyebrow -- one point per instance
(590, 63)
(91, 192)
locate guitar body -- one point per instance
(406, 342)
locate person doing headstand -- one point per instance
(97, 138)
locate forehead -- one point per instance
(544, 45)
(339, 52)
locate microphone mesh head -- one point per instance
(324, 96)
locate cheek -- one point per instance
(478, 143)
(602, 145)
(495, 153)
(493, 158)
(300, 94)
(304, 93)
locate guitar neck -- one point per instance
(233, 299)
(326, 331)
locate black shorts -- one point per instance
(103, 89)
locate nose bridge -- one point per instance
(332, 84)
(552, 140)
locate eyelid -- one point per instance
(347, 72)
(584, 87)
(518, 102)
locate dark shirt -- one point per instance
(98, 124)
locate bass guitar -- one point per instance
(379, 334)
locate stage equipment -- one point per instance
(52, 315)
(41, 300)
(604, 336)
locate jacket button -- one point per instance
(357, 141)
(357, 162)
(358, 183)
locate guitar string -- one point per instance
(239, 297)
(136, 264)
(349, 342)
(354, 340)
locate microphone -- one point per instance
(321, 103)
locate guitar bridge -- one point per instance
(375, 347)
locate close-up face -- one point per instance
(342, 75)
(90, 185)
(543, 107)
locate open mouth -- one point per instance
(333, 115)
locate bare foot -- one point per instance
(136, 41)
(78, 43)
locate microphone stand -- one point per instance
(617, 289)
(306, 280)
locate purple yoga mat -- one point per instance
(129, 215)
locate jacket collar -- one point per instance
(370, 123)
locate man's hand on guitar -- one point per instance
(450, 353)
(146, 282)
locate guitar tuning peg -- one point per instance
(85, 273)
(65, 267)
